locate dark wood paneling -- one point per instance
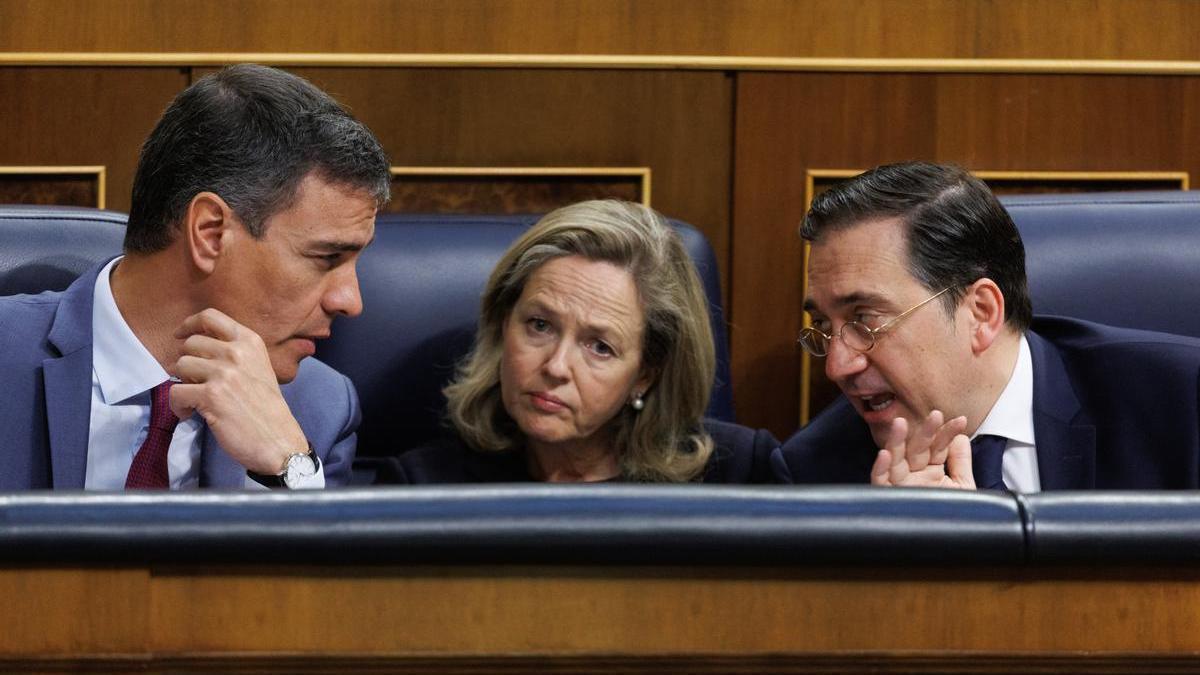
(789, 123)
(1094, 29)
(1062, 122)
(83, 116)
(505, 193)
(677, 123)
(855, 663)
(786, 124)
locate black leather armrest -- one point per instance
(1113, 527)
(599, 524)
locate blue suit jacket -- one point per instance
(1113, 408)
(46, 370)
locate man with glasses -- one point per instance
(921, 314)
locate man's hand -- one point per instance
(935, 454)
(227, 377)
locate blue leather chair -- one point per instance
(44, 248)
(421, 280)
(1123, 258)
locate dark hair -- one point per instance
(250, 134)
(957, 230)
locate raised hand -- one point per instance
(226, 376)
(935, 454)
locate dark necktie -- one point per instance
(149, 468)
(987, 461)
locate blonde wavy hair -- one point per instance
(665, 441)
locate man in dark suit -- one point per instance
(920, 308)
(254, 195)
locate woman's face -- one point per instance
(572, 352)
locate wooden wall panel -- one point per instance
(676, 123)
(789, 123)
(1062, 122)
(786, 124)
(746, 620)
(83, 116)
(511, 190)
(1065, 29)
(63, 610)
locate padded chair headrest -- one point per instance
(1127, 259)
(44, 248)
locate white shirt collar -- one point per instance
(1012, 415)
(124, 367)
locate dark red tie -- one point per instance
(149, 468)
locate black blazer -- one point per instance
(740, 455)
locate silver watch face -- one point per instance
(298, 468)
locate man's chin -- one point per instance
(880, 434)
(286, 357)
(881, 426)
(285, 371)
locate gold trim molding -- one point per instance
(606, 61)
(641, 173)
(1182, 177)
(100, 173)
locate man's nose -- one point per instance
(841, 361)
(343, 295)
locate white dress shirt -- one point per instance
(1012, 418)
(123, 373)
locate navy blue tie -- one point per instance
(987, 461)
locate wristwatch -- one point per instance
(296, 468)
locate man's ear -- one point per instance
(985, 305)
(205, 224)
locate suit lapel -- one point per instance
(1065, 437)
(68, 383)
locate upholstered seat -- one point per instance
(1124, 258)
(44, 248)
(421, 280)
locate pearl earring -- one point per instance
(638, 402)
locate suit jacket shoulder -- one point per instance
(740, 454)
(834, 447)
(1115, 408)
(26, 322)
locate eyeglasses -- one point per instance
(855, 334)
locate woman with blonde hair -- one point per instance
(593, 361)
